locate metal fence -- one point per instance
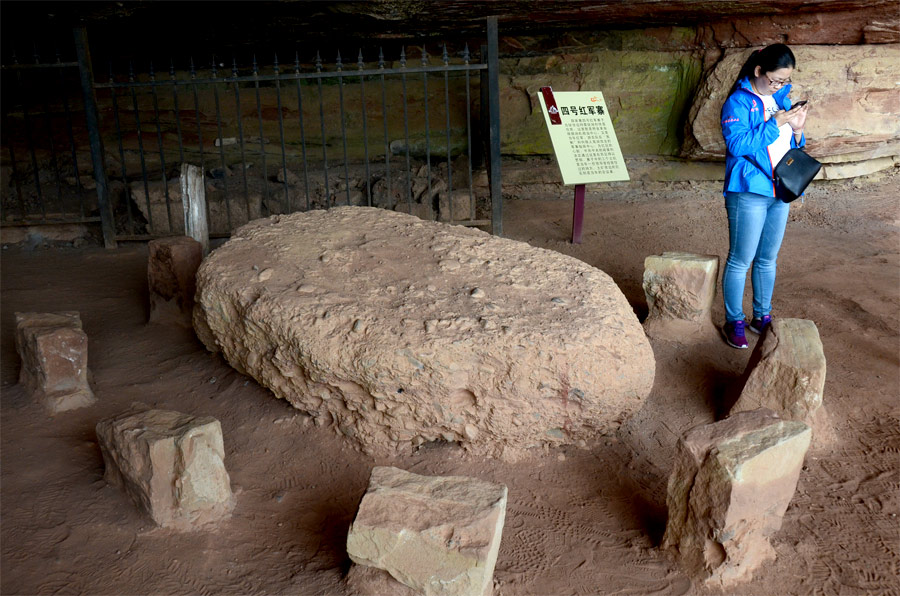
(419, 134)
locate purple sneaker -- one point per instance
(734, 334)
(759, 325)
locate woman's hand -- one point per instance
(796, 117)
(798, 120)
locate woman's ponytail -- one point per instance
(769, 59)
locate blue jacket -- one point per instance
(747, 132)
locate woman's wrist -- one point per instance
(797, 131)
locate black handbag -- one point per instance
(792, 174)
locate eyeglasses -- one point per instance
(777, 83)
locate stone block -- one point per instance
(680, 288)
(171, 277)
(435, 535)
(731, 484)
(171, 464)
(786, 374)
(54, 353)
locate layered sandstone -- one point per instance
(853, 97)
(402, 331)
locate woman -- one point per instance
(759, 125)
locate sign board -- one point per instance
(583, 137)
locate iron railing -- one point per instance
(341, 136)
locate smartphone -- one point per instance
(800, 103)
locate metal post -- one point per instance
(493, 62)
(107, 222)
(578, 214)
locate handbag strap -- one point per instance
(756, 163)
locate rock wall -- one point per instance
(854, 98)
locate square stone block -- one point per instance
(731, 484)
(171, 464)
(171, 278)
(54, 354)
(680, 285)
(437, 535)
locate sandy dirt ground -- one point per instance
(580, 521)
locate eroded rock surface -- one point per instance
(437, 535)
(402, 331)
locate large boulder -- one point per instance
(402, 331)
(852, 94)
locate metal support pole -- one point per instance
(107, 222)
(493, 62)
(578, 214)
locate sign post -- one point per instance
(584, 143)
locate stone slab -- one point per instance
(786, 374)
(53, 349)
(730, 486)
(437, 535)
(171, 464)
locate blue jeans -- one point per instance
(755, 229)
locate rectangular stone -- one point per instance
(54, 354)
(171, 278)
(787, 375)
(437, 535)
(171, 464)
(731, 484)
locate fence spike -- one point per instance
(255, 69)
(193, 70)
(380, 58)
(445, 57)
(152, 72)
(359, 61)
(275, 64)
(466, 53)
(130, 71)
(172, 68)
(318, 62)
(234, 71)
(424, 56)
(215, 71)
(296, 61)
(338, 63)
(402, 57)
